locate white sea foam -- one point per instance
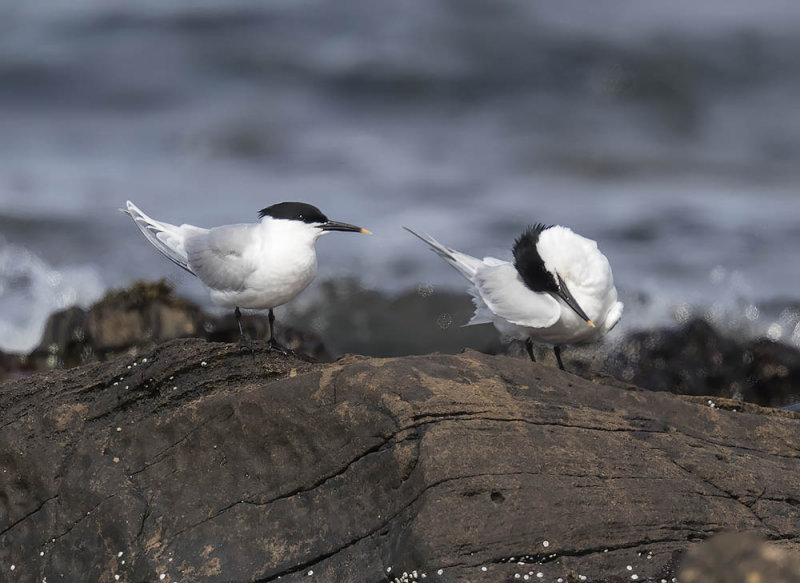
(31, 290)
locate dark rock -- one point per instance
(64, 341)
(693, 359)
(773, 375)
(696, 359)
(203, 463)
(225, 329)
(142, 314)
(11, 364)
(139, 317)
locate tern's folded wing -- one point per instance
(217, 256)
(507, 296)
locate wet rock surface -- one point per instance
(200, 462)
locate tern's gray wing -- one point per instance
(505, 294)
(217, 257)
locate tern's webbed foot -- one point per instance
(245, 343)
(275, 345)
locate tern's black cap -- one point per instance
(294, 211)
(529, 263)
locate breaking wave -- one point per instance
(30, 290)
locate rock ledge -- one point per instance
(203, 463)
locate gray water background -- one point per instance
(668, 132)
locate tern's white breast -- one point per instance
(282, 262)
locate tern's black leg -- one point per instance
(273, 343)
(244, 339)
(529, 348)
(557, 350)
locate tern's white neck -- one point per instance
(290, 233)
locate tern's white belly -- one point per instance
(272, 284)
(569, 328)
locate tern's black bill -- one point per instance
(564, 293)
(337, 226)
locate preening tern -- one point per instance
(257, 266)
(559, 289)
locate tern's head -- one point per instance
(541, 274)
(306, 217)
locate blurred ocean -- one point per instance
(668, 132)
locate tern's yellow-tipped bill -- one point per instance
(337, 226)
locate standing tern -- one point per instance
(258, 265)
(559, 289)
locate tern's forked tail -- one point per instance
(167, 238)
(465, 264)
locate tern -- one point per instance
(559, 289)
(258, 266)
